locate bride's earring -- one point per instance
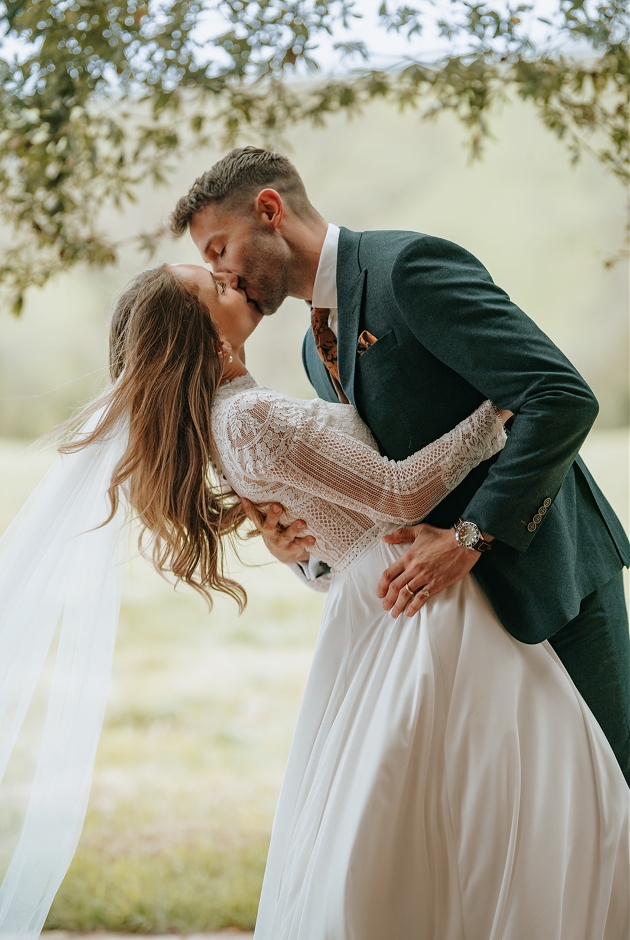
(226, 351)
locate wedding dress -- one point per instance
(445, 781)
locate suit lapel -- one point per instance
(350, 285)
(316, 371)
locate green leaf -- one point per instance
(108, 95)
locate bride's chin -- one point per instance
(255, 315)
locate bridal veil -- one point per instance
(60, 585)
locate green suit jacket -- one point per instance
(447, 338)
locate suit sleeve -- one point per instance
(453, 307)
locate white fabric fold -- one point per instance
(60, 578)
(445, 782)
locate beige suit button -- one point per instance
(542, 510)
(531, 527)
(547, 503)
(537, 518)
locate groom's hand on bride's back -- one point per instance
(433, 562)
(285, 543)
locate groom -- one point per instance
(413, 332)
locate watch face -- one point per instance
(468, 534)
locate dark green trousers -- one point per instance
(595, 649)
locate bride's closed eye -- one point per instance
(221, 286)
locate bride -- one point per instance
(445, 782)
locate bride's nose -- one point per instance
(230, 280)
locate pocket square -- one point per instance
(366, 339)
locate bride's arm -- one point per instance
(275, 439)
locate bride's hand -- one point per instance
(285, 544)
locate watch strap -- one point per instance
(482, 545)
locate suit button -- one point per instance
(537, 518)
(531, 527)
(547, 503)
(542, 510)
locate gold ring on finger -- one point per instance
(409, 591)
(423, 591)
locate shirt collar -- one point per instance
(325, 286)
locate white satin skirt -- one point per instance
(445, 782)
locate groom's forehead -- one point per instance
(216, 219)
(207, 221)
(213, 226)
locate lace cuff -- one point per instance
(475, 439)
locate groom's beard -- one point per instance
(266, 275)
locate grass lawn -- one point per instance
(198, 727)
(201, 713)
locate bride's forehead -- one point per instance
(194, 272)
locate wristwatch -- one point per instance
(467, 535)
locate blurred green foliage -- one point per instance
(106, 95)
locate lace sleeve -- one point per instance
(276, 439)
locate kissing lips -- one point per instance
(254, 304)
(250, 300)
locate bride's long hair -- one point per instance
(165, 366)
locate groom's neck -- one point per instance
(304, 238)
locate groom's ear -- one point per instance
(269, 208)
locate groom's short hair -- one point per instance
(236, 179)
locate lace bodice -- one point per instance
(320, 461)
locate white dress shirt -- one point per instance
(325, 286)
